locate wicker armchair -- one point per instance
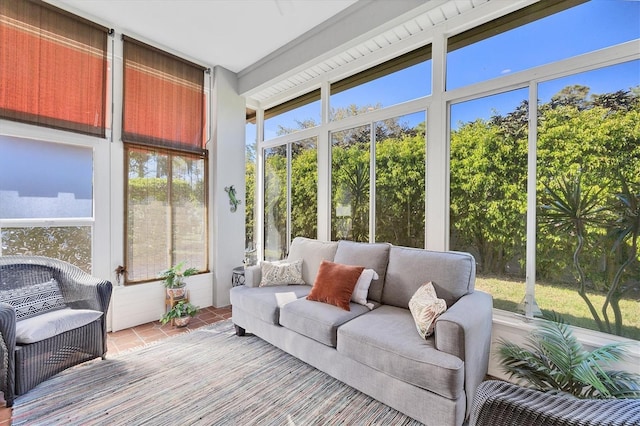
(26, 362)
(498, 403)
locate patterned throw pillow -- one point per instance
(425, 308)
(282, 272)
(34, 299)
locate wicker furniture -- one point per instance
(500, 403)
(24, 365)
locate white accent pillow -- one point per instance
(361, 291)
(281, 272)
(425, 308)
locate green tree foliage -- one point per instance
(400, 183)
(488, 191)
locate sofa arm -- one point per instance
(464, 330)
(7, 351)
(252, 275)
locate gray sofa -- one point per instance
(379, 351)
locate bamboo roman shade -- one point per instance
(53, 67)
(164, 102)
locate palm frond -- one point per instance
(554, 359)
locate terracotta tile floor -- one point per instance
(124, 340)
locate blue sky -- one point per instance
(588, 27)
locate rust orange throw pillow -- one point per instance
(334, 284)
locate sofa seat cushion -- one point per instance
(316, 320)
(52, 323)
(266, 302)
(385, 339)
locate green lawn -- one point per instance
(507, 294)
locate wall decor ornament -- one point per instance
(233, 200)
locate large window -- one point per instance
(588, 196)
(570, 184)
(163, 128)
(488, 191)
(398, 80)
(400, 180)
(350, 177)
(290, 210)
(300, 113)
(46, 200)
(166, 212)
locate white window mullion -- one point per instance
(531, 308)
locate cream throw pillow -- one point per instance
(425, 308)
(281, 272)
(361, 291)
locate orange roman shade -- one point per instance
(53, 68)
(164, 102)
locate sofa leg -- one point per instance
(239, 330)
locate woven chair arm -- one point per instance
(7, 351)
(83, 291)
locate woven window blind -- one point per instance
(53, 67)
(164, 102)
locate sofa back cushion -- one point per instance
(312, 252)
(453, 275)
(370, 255)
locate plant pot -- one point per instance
(182, 321)
(177, 292)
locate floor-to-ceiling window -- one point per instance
(550, 209)
(516, 124)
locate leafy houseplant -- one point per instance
(173, 279)
(553, 359)
(181, 313)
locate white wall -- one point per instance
(226, 167)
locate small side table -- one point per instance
(170, 301)
(237, 276)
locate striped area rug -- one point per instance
(205, 377)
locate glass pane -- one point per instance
(304, 189)
(488, 191)
(44, 180)
(350, 184)
(148, 220)
(400, 180)
(303, 117)
(71, 244)
(587, 258)
(401, 86)
(275, 203)
(188, 201)
(572, 32)
(250, 190)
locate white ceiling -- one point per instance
(230, 33)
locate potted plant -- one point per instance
(181, 314)
(173, 280)
(553, 360)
